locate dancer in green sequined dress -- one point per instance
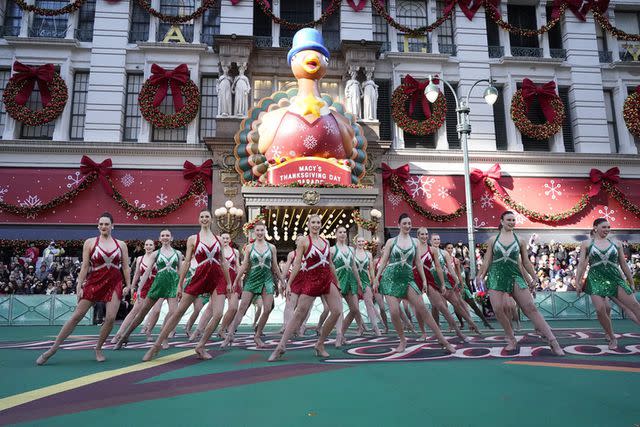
(364, 265)
(396, 269)
(604, 279)
(504, 263)
(260, 264)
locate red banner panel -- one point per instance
(149, 189)
(444, 194)
(309, 170)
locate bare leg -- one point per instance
(185, 302)
(435, 311)
(299, 314)
(217, 302)
(173, 306)
(478, 311)
(383, 313)
(153, 317)
(396, 319)
(405, 320)
(525, 301)
(232, 309)
(303, 327)
(245, 302)
(197, 308)
(439, 304)
(289, 307)
(127, 320)
(78, 314)
(148, 304)
(603, 317)
(371, 311)
(629, 304)
(259, 305)
(334, 301)
(418, 305)
(498, 302)
(354, 311)
(461, 309)
(268, 306)
(107, 326)
(203, 322)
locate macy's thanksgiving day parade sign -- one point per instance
(301, 135)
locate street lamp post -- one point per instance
(229, 219)
(464, 130)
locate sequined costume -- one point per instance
(297, 284)
(166, 283)
(317, 277)
(429, 268)
(342, 263)
(362, 265)
(232, 262)
(398, 274)
(260, 276)
(208, 276)
(604, 275)
(104, 276)
(144, 289)
(504, 271)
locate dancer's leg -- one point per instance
(107, 326)
(498, 302)
(528, 307)
(185, 302)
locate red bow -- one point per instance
(402, 172)
(176, 78)
(478, 177)
(234, 2)
(579, 7)
(545, 94)
(42, 74)
(416, 89)
(203, 172)
(468, 7)
(103, 170)
(357, 7)
(597, 178)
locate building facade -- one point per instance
(105, 50)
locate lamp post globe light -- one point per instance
(464, 130)
(229, 219)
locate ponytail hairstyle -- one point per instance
(403, 216)
(505, 213)
(106, 215)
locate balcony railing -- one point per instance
(606, 56)
(529, 52)
(84, 34)
(54, 33)
(263, 41)
(414, 46)
(286, 41)
(10, 31)
(496, 51)
(625, 56)
(449, 49)
(558, 53)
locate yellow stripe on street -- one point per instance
(577, 366)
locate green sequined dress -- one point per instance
(604, 275)
(342, 263)
(504, 270)
(445, 269)
(398, 274)
(260, 275)
(363, 270)
(165, 284)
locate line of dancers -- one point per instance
(212, 273)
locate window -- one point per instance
(611, 121)
(380, 30)
(331, 28)
(499, 122)
(496, 50)
(446, 42)
(174, 8)
(567, 125)
(208, 106)
(169, 135)
(12, 19)
(4, 79)
(50, 26)
(261, 89)
(412, 14)
(261, 27)
(536, 116)
(210, 24)
(524, 17)
(79, 105)
(263, 86)
(84, 32)
(131, 109)
(630, 23)
(384, 108)
(451, 120)
(139, 31)
(331, 87)
(555, 37)
(294, 11)
(44, 131)
(418, 141)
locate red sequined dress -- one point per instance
(208, 276)
(105, 275)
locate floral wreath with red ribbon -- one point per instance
(53, 93)
(155, 90)
(631, 112)
(552, 108)
(413, 90)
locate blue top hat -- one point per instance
(307, 39)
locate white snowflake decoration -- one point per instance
(330, 129)
(443, 192)
(3, 192)
(74, 180)
(30, 202)
(477, 223)
(201, 199)
(553, 189)
(138, 205)
(435, 206)
(301, 127)
(394, 199)
(276, 151)
(127, 180)
(486, 200)
(520, 219)
(161, 199)
(421, 185)
(310, 142)
(607, 214)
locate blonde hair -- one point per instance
(422, 229)
(314, 216)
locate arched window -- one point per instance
(412, 14)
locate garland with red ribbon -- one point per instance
(381, 10)
(603, 21)
(53, 92)
(266, 8)
(155, 89)
(495, 16)
(631, 112)
(177, 19)
(70, 8)
(200, 182)
(551, 104)
(412, 91)
(357, 7)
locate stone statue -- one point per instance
(224, 93)
(241, 89)
(352, 94)
(370, 95)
